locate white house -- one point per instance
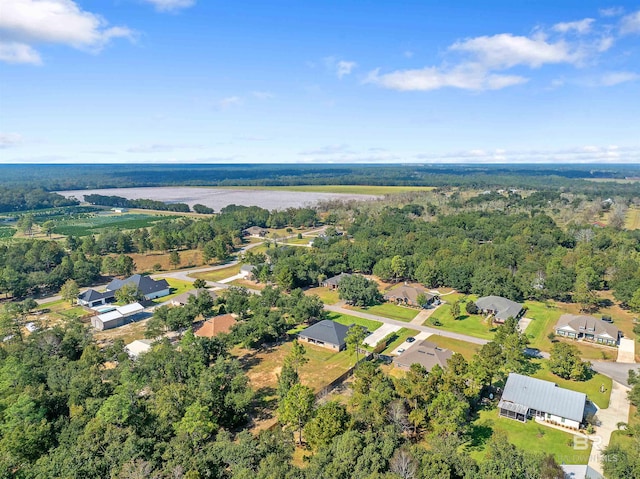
(525, 397)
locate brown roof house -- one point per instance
(426, 354)
(216, 325)
(408, 294)
(588, 328)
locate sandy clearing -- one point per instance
(218, 198)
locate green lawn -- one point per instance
(472, 325)
(591, 387)
(400, 337)
(328, 296)
(462, 347)
(348, 320)
(531, 436)
(219, 274)
(177, 287)
(391, 311)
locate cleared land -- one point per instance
(633, 219)
(531, 436)
(218, 198)
(389, 310)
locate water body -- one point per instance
(218, 198)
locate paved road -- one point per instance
(619, 372)
(337, 308)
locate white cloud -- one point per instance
(229, 102)
(9, 140)
(505, 51)
(262, 95)
(15, 52)
(170, 5)
(466, 76)
(616, 78)
(630, 23)
(611, 12)
(340, 67)
(580, 26)
(25, 22)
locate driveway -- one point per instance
(379, 334)
(618, 411)
(418, 339)
(626, 351)
(619, 372)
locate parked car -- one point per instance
(607, 319)
(400, 350)
(410, 339)
(385, 359)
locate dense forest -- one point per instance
(13, 199)
(542, 177)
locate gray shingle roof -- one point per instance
(426, 354)
(504, 308)
(145, 284)
(93, 295)
(544, 396)
(335, 280)
(326, 331)
(584, 324)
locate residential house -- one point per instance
(92, 298)
(216, 325)
(408, 294)
(525, 397)
(255, 232)
(426, 354)
(183, 298)
(588, 328)
(327, 334)
(116, 318)
(150, 288)
(334, 281)
(501, 308)
(247, 271)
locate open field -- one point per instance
(473, 325)
(389, 310)
(218, 198)
(531, 436)
(346, 189)
(264, 365)
(633, 218)
(148, 262)
(591, 387)
(328, 296)
(218, 274)
(92, 224)
(462, 347)
(349, 320)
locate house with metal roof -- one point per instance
(334, 281)
(501, 308)
(408, 294)
(525, 397)
(327, 334)
(426, 354)
(150, 288)
(587, 328)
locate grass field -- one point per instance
(400, 337)
(218, 274)
(389, 310)
(348, 320)
(531, 436)
(328, 296)
(462, 347)
(177, 287)
(633, 219)
(591, 387)
(346, 189)
(6, 232)
(145, 263)
(472, 325)
(93, 224)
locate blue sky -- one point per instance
(319, 81)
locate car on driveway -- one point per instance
(400, 350)
(410, 339)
